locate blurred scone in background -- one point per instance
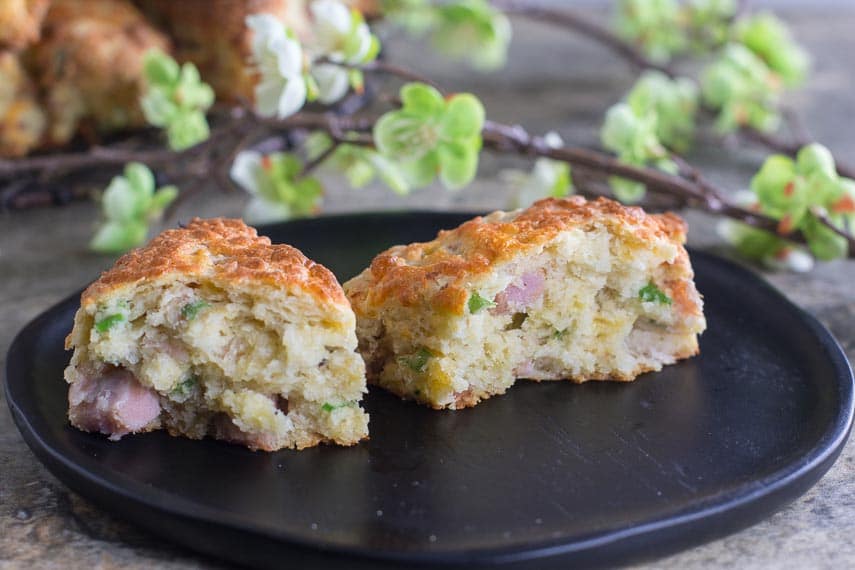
(73, 68)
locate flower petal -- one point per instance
(292, 98)
(267, 95)
(332, 82)
(261, 211)
(244, 170)
(463, 117)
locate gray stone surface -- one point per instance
(552, 82)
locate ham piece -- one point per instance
(520, 294)
(113, 402)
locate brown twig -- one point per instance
(379, 66)
(822, 216)
(312, 164)
(586, 27)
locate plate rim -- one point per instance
(780, 487)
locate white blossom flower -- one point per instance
(340, 33)
(278, 57)
(278, 189)
(248, 172)
(332, 81)
(341, 36)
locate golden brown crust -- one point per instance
(20, 22)
(223, 249)
(437, 272)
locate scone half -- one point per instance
(211, 330)
(566, 289)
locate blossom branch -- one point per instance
(585, 26)
(632, 54)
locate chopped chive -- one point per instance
(327, 407)
(109, 322)
(559, 334)
(417, 362)
(477, 302)
(189, 310)
(183, 388)
(650, 293)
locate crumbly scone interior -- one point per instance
(569, 309)
(255, 365)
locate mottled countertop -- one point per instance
(552, 83)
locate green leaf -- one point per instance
(359, 173)
(420, 173)
(650, 293)
(744, 90)
(815, 158)
(418, 361)
(191, 92)
(190, 310)
(316, 144)
(473, 30)
(120, 202)
(108, 322)
(822, 241)
(654, 25)
(187, 129)
(458, 164)
(308, 193)
(158, 108)
(159, 68)
(161, 199)
(116, 237)
(769, 38)
(463, 117)
(373, 51)
(627, 191)
(773, 182)
(140, 178)
(674, 102)
(477, 302)
(404, 136)
(422, 100)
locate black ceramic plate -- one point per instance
(548, 475)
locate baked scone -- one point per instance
(88, 65)
(211, 330)
(22, 119)
(566, 289)
(20, 22)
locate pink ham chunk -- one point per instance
(520, 294)
(112, 402)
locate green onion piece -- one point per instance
(417, 362)
(109, 322)
(650, 293)
(559, 334)
(183, 388)
(189, 310)
(477, 302)
(327, 407)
